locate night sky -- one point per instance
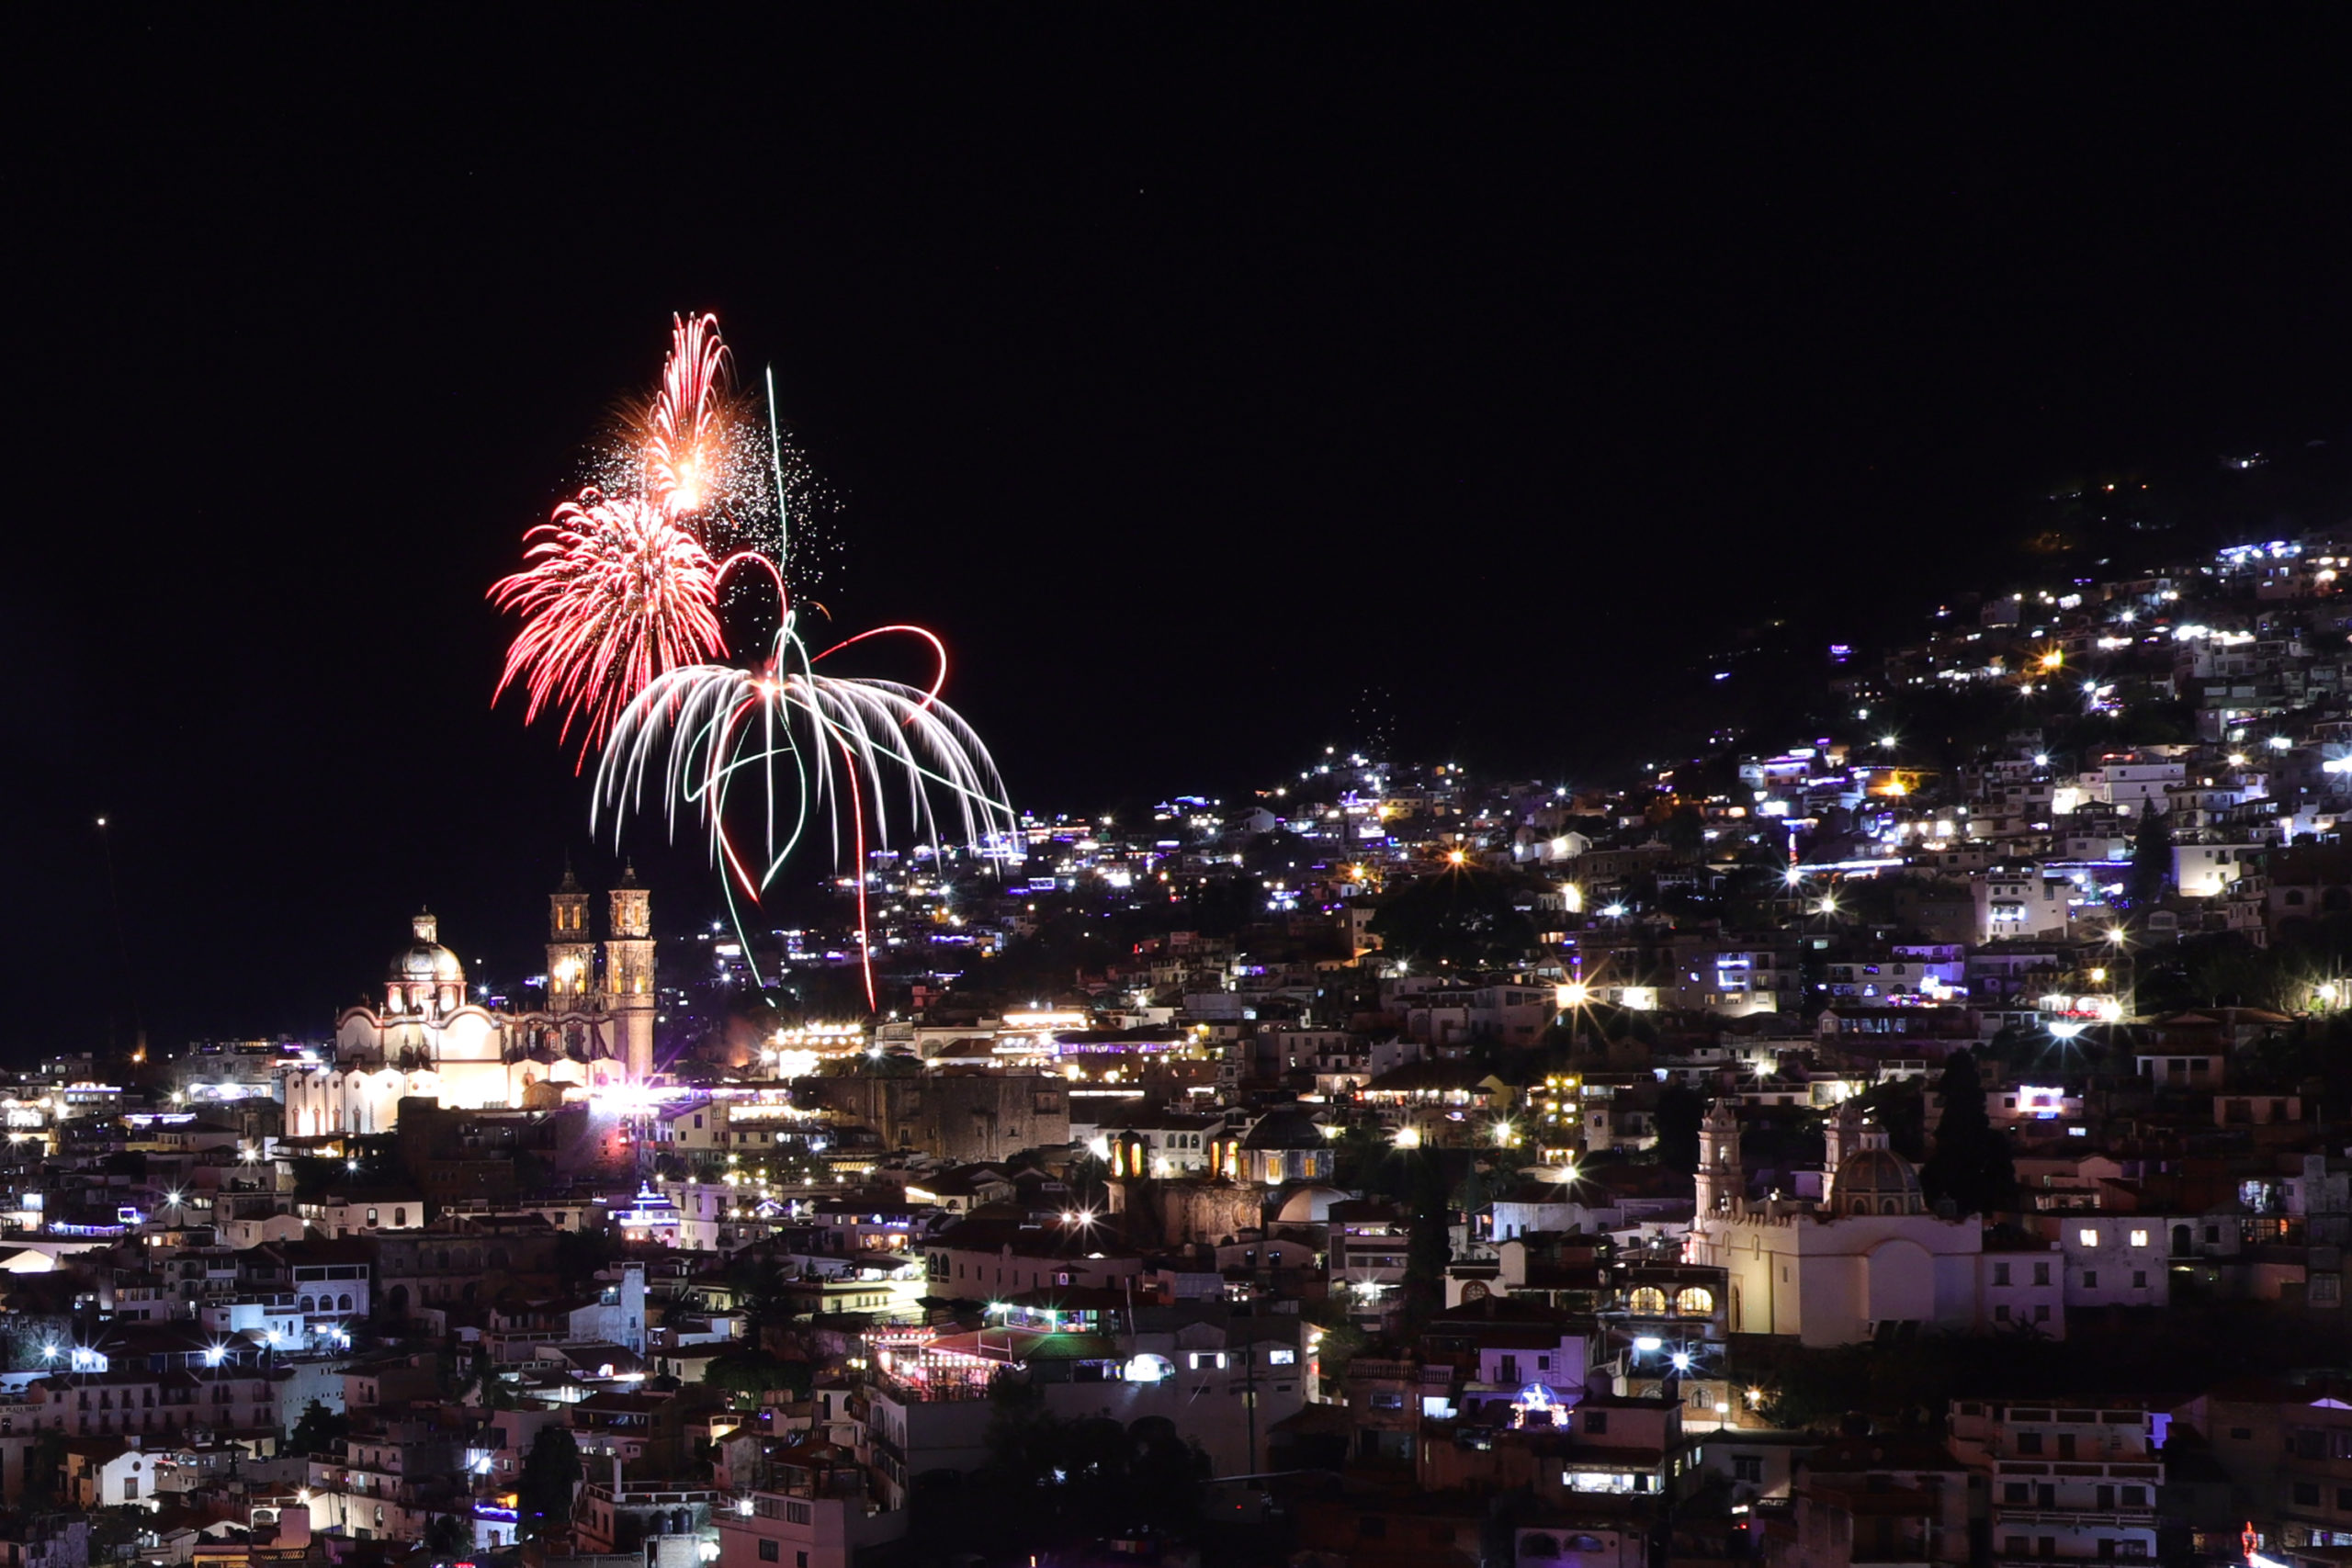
(1193, 375)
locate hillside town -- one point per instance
(1918, 1141)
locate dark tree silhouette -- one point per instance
(1970, 1167)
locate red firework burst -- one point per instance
(616, 594)
(686, 426)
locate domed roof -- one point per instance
(1309, 1205)
(425, 961)
(1877, 1174)
(1288, 1128)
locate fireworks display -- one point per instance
(616, 594)
(620, 608)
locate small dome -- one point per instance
(1310, 1205)
(426, 960)
(1878, 1178)
(1284, 1129)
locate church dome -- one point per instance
(1877, 1181)
(425, 961)
(1284, 1129)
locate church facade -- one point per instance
(1869, 1259)
(427, 1039)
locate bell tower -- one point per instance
(1722, 1185)
(628, 973)
(572, 958)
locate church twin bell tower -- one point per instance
(624, 990)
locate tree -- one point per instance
(748, 1372)
(1680, 1109)
(1970, 1167)
(1466, 916)
(544, 1491)
(2150, 856)
(320, 1431)
(447, 1536)
(45, 1472)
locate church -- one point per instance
(1868, 1259)
(428, 1040)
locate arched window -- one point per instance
(1695, 1302)
(399, 1216)
(2294, 898)
(1584, 1543)
(1536, 1544)
(1890, 1206)
(308, 1305)
(1650, 1301)
(342, 1302)
(1862, 1205)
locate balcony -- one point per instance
(2075, 1518)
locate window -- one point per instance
(771, 1552)
(2088, 1237)
(1694, 1301)
(2029, 1442)
(2001, 1313)
(2090, 1278)
(2001, 1274)
(2139, 1279)
(2138, 1238)
(2135, 1496)
(2307, 1493)
(800, 1560)
(1596, 1422)
(1747, 1467)
(371, 1216)
(2016, 1491)
(797, 1513)
(2041, 1273)
(1279, 1357)
(2015, 1546)
(1649, 1302)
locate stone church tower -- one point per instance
(571, 956)
(629, 974)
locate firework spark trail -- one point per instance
(686, 427)
(620, 622)
(615, 594)
(833, 742)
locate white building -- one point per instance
(2116, 1260)
(428, 1040)
(1869, 1259)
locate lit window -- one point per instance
(2138, 1238)
(2088, 1237)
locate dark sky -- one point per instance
(1192, 374)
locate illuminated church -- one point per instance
(1869, 1259)
(428, 1040)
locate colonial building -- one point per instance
(428, 1040)
(1867, 1261)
